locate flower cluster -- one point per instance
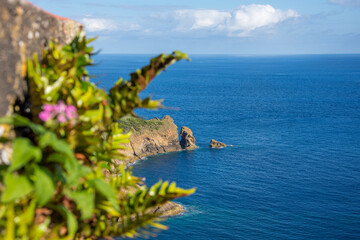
(60, 111)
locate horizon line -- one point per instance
(235, 54)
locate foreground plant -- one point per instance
(61, 181)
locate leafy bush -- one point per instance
(61, 181)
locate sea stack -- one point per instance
(187, 139)
(216, 144)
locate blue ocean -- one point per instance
(292, 170)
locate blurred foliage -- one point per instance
(61, 181)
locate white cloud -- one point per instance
(101, 24)
(98, 24)
(238, 22)
(129, 26)
(197, 19)
(346, 2)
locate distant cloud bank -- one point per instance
(100, 24)
(239, 22)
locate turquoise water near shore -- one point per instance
(293, 122)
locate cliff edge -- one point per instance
(150, 137)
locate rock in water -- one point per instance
(169, 209)
(187, 139)
(216, 144)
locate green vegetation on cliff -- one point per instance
(138, 123)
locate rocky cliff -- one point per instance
(150, 137)
(24, 30)
(187, 139)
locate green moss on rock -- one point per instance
(138, 124)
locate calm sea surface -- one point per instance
(293, 122)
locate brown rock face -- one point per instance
(150, 137)
(24, 30)
(187, 139)
(216, 144)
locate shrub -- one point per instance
(61, 181)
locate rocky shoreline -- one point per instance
(156, 136)
(152, 137)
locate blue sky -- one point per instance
(217, 27)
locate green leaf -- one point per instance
(72, 224)
(52, 90)
(27, 218)
(94, 115)
(24, 152)
(10, 224)
(82, 60)
(163, 188)
(44, 185)
(16, 187)
(49, 139)
(89, 40)
(172, 187)
(154, 188)
(85, 99)
(20, 121)
(85, 202)
(105, 190)
(70, 164)
(180, 55)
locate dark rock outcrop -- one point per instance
(150, 137)
(187, 139)
(216, 144)
(24, 30)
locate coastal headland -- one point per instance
(152, 137)
(156, 136)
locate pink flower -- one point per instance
(48, 107)
(60, 111)
(61, 118)
(45, 115)
(60, 107)
(70, 111)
